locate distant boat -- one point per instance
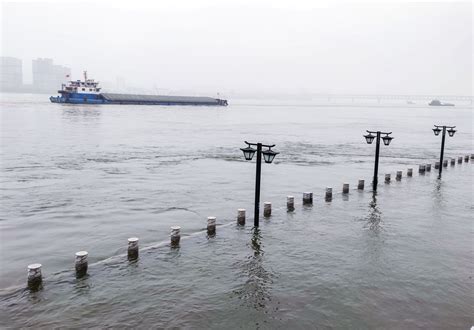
(437, 103)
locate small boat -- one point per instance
(438, 103)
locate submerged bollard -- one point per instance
(290, 203)
(241, 217)
(34, 276)
(399, 175)
(436, 165)
(211, 225)
(81, 263)
(387, 178)
(466, 159)
(428, 167)
(472, 156)
(345, 188)
(445, 163)
(421, 169)
(360, 185)
(307, 198)
(459, 160)
(328, 196)
(410, 172)
(453, 161)
(132, 251)
(175, 236)
(267, 209)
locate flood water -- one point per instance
(89, 177)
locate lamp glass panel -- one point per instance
(387, 140)
(369, 138)
(269, 155)
(248, 152)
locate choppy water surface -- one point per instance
(88, 177)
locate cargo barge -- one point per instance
(88, 92)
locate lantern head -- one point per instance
(269, 155)
(248, 152)
(369, 138)
(436, 131)
(387, 139)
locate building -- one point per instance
(11, 74)
(47, 76)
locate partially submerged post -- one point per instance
(345, 188)
(466, 159)
(399, 175)
(34, 276)
(132, 251)
(410, 172)
(387, 178)
(290, 203)
(328, 196)
(360, 185)
(453, 161)
(175, 236)
(241, 217)
(421, 169)
(267, 209)
(211, 225)
(445, 163)
(437, 165)
(460, 160)
(307, 198)
(428, 167)
(81, 263)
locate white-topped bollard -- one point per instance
(267, 209)
(290, 203)
(328, 196)
(345, 188)
(460, 160)
(466, 159)
(175, 236)
(410, 172)
(132, 250)
(436, 165)
(453, 161)
(34, 276)
(387, 178)
(211, 225)
(81, 263)
(307, 198)
(241, 217)
(445, 163)
(421, 169)
(399, 176)
(360, 185)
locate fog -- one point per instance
(252, 47)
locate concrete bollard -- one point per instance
(436, 165)
(459, 160)
(290, 203)
(428, 167)
(410, 172)
(399, 175)
(175, 236)
(132, 250)
(421, 169)
(81, 263)
(328, 194)
(34, 276)
(241, 217)
(466, 159)
(345, 188)
(360, 185)
(307, 198)
(445, 163)
(472, 156)
(211, 225)
(267, 209)
(387, 178)
(453, 161)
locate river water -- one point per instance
(89, 177)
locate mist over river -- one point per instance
(85, 177)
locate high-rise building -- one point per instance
(47, 76)
(11, 74)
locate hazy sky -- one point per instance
(242, 46)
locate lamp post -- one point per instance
(268, 156)
(436, 131)
(386, 140)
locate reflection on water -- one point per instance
(374, 218)
(79, 113)
(255, 291)
(437, 193)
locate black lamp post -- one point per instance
(268, 156)
(386, 140)
(436, 132)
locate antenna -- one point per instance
(85, 76)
